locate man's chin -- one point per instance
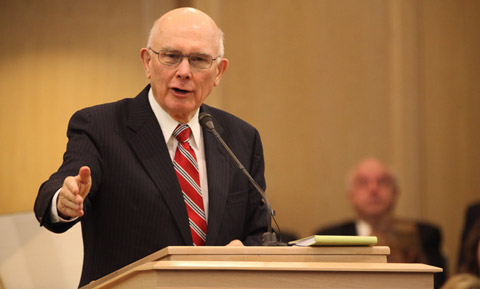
(182, 111)
(376, 213)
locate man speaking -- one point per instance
(141, 174)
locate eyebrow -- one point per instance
(168, 48)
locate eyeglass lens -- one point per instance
(196, 60)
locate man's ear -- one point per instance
(221, 67)
(146, 59)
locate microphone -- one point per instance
(269, 237)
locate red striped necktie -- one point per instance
(186, 167)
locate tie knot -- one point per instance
(182, 133)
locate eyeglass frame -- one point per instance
(183, 56)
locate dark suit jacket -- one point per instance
(472, 215)
(430, 239)
(135, 206)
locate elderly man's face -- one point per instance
(181, 89)
(373, 192)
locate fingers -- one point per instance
(69, 202)
(73, 192)
(235, 243)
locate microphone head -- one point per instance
(206, 121)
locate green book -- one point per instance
(328, 240)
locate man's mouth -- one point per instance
(179, 90)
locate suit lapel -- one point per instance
(219, 173)
(147, 141)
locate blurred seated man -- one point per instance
(373, 192)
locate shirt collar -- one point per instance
(363, 228)
(168, 124)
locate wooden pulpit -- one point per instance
(269, 267)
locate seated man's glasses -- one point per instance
(174, 57)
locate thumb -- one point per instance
(84, 180)
(84, 174)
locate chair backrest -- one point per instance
(33, 257)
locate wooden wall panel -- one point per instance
(57, 57)
(450, 80)
(313, 80)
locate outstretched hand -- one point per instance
(73, 192)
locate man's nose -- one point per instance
(373, 186)
(184, 70)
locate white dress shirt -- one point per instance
(363, 228)
(168, 125)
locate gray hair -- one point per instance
(221, 38)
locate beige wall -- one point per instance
(56, 57)
(325, 82)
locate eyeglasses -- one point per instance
(383, 182)
(174, 57)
